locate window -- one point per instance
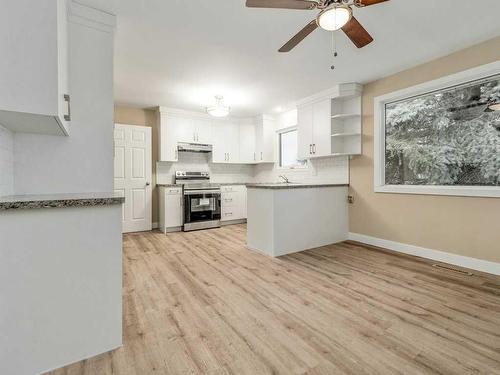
(439, 137)
(288, 146)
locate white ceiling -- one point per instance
(179, 53)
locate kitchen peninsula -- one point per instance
(287, 218)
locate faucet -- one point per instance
(285, 179)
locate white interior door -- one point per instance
(133, 175)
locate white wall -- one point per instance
(82, 162)
(6, 162)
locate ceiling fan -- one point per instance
(334, 15)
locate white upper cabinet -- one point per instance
(226, 139)
(305, 131)
(203, 130)
(34, 93)
(248, 153)
(265, 131)
(184, 128)
(168, 127)
(331, 125)
(234, 141)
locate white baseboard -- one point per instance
(440, 256)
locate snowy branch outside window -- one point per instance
(444, 137)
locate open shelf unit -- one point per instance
(346, 125)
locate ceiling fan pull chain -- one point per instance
(334, 48)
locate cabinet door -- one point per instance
(225, 142)
(304, 131)
(34, 66)
(219, 146)
(203, 131)
(233, 142)
(268, 141)
(168, 137)
(322, 128)
(185, 129)
(173, 207)
(247, 143)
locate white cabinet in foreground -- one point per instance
(171, 205)
(34, 94)
(287, 220)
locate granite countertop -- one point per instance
(279, 185)
(12, 202)
(217, 183)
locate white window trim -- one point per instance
(483, 71)
(278, 146)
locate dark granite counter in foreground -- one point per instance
(292, 185)
(14, 202)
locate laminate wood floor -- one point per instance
(201, 303)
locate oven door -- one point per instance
(201, 209)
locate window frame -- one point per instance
(296, 166)
(380, 102)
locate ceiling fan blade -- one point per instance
(284, 4)
(365, 3)
(311, 26)
(357, 33)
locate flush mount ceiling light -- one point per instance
(334, 18)
(218, 109)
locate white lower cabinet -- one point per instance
(233, 202)
(171, 205)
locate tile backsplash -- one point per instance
(329, 170)
(191, 161)
(6, 162)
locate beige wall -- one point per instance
(461, 225)
(143, 117)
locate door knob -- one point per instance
(147, 184)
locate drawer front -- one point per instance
(173, 191)
(229, 199)
(233, 188)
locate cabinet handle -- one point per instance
(261, 158)
(254, 156)
(67, 99)
(314, 148)
(310, 148)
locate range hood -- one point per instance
(193, 147)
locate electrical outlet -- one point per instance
(350, 199)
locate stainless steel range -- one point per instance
(201, 200)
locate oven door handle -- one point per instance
(196, 192)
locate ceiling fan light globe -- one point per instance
(334, 18)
